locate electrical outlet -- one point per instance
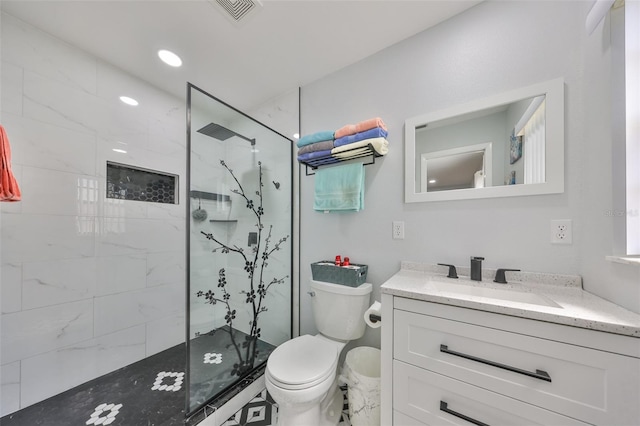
(398, 230)
(561, 231)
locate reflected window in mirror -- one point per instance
(530, 133)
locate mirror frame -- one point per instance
(554, 143)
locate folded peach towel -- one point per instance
(9, 190)
(351, 129)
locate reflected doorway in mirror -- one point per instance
(458, 168)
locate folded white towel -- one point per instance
(381, 146)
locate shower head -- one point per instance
(221, 133)
(217, 131)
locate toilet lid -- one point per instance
(302, 360)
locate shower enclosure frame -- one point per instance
(188, 411)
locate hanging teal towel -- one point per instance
(340, 188)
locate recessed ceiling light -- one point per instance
(121, 151)
(432, 181)
(296, 135)
(129, 101)
(170, 58)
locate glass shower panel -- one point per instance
(239, 246)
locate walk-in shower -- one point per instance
(239, 259)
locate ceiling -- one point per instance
(276, 48)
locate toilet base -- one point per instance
(326, 413)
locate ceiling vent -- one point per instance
(237, 10)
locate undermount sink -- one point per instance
(493, 294)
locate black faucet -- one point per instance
(476, 268)
(500, 278)
(452, 270)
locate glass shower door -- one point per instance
(239, 257)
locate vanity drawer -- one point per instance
(587, 384)
(401, 419)
(434, 399)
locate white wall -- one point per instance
(491, 48)
(89, 284)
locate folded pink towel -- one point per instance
(352, 129)
(9, 190)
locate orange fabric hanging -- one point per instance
(9, 190)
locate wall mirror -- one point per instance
(511, 144)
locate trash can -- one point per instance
(361, 373)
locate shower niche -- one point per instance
(239, 289)
(126, 182)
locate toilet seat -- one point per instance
(302, 362)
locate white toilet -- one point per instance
(301, 373)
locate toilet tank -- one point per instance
(338, 310)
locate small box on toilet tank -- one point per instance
(327, 271)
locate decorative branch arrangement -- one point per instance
(256, 264)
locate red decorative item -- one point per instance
(346, 262)
(338, 260)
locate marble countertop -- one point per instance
(545, 297)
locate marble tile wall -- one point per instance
(88, 284)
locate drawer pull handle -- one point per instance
(538, 374)
(446, 409)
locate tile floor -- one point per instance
(263, 411)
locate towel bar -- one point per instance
(360, 152)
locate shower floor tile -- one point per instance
(124, 397)
(214, 356)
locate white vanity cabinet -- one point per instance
(445, 364)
